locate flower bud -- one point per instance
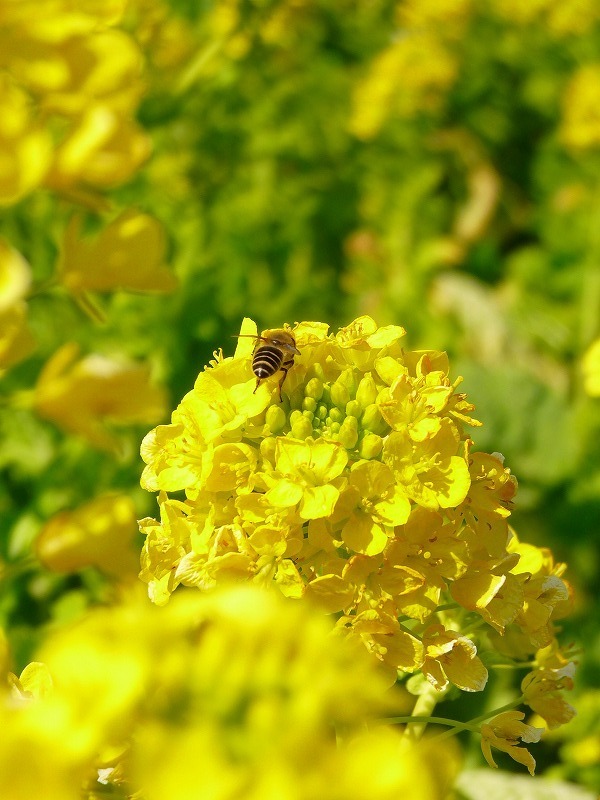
(373, 421)
(275, 418)
(302, 427)
(295, 415)
(309, 404)
(322, 412)
(353, 409)
(366, 393)
(370, 446)
(314, 388)
(267, 449)
(340, 395)
(348, 433)
(336, 415)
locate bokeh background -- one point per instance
(167, 168)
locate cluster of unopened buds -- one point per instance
(347, 480)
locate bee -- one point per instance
(274, 352)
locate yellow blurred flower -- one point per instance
(34, 682)
(591, 369)
(103, 148)
(558, 18)
(410, 77)
(100, 534)
(15, 276)
(83, 396)
(453, 15)
(228, 694)
(16, 341)
(66, 77)
(505, 732)
(128, 253)
(25, 147)
(580, 128)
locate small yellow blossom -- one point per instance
(25, 148)
(16, 340)
(432, 471)
(591, 369)
(546, 594)
(103, 148)
(409, 77)
(128, 253)
(542, 690)
(304, 476)
(449, 657)
(451, 14)
(81, 396)
(15, 276)
(580, 128)
(99, 533)
(379, 506)
(35, 681)
(558, 18)
(504, 732)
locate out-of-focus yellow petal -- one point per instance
(25, 148)
(103, 149)
(81, 396)
(591, 369)
(15, 276)
(16, 340)
(99, 533)
(128, 253)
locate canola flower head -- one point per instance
(359, 492)
(232, 693)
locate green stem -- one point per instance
(475, 723)
(421, 715)
(433, 720)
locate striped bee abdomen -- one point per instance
(273, 352)
(267, 361)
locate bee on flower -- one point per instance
(356, 487)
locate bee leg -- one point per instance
(285, 368)
(258, 380)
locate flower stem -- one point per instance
(422, 710)
(474, 723)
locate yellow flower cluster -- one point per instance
(559, 19)
(358, 492)
(85, 78)
(70, 84)
(230, 694)
(410, 77)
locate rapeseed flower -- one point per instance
(234, 693)
(360, 492)
(129, 253)
(99, 533)
(504, 732)
(16, 340)
(83, 396)
(580, 129)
